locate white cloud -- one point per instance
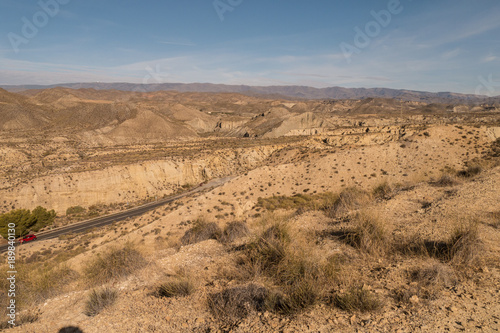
(451, 54)
(490, 58)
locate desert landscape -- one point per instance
(375, 214)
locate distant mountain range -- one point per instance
(291, 92)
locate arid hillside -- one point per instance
(371, 215)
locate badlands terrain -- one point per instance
(355, 215)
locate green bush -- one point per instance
(26, 221)
(75, 210)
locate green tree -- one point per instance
(43, 218)
(26, 221)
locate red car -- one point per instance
(27, 238)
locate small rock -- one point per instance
(414, 299)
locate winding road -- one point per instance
(116, 217)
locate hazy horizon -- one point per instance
(425, 46)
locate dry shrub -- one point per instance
(35, 283)
(445, 180)
(349, 199)
(463, 247)
(356, 299)
(201, 231)
(495, 219)
(113, 264)
(472, 170)
(39, 284)
(179, 285)
(369, 233)
(383, 191)
(263, 255)
(434, 274)
(234, 304)
(426, 282)
(465, 244)
(233, 231)
(288, 300)
(98, 300)
(299, 279)
(301, 202)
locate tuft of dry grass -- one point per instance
(28, 317)
(462, 248)
(472, 170)
(495, 219)
(35, 283)
(349, 199)
(296, 297)
(299, 278)
(368, 233)
(356, 299)
(434, 273)
(426, 281)
(179, 285)
(98, 300)
(233, 231)
(115, 263)
(300, 202)
(201, 231)
(465, 244)
(446, 180)
(263, 254)
(383, 191)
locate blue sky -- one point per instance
(448, 45)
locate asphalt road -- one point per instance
(133, 212)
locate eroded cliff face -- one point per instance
(129, 183)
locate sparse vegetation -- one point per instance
(425, 281)
(75, 210)
(347, 223)
(462, 248)
(113, 264)
(369, 233)
(35, 283)
(446, 180)
(298, 201)
(349, 199)
(471, 171)
(465, 244)
(298, 279)
(179, 285)
(356, 299)
(234, 304)
(233, 231)
(383, 191)
(99, 300)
